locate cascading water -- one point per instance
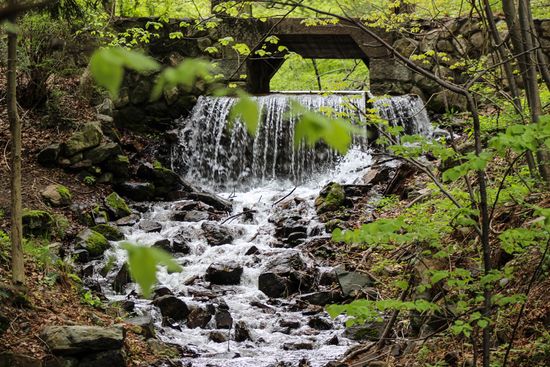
(211, 152)
(279, 329)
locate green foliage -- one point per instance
(107, 66)
(143, 262)
(89, 180)
(89, 299)
(247, 110)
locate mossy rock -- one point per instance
(331, 198)
(93, 242)
(110, 232)
(57, 195)
(88, 137)
(119, 166)
(116, 206)
(37, 223)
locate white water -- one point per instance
(215, 156)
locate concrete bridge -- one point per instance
(461, 40)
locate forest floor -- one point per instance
(53, 294)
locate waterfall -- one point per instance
(211, 152)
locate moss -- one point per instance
(110, 232)
(331, 198)
(64, 192)
(117, 206)
(37, 223)
(123, 159)
(94, 242)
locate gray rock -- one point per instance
(116, 206)
(56, 195)
(351, 281)
(102, 152)
(242, 332)
(319, 323)
(198, 317)
(217, 336)
(213, 200)
(37, 223)
(68, 340)
(88, 137)
(223, 319)
(217, 234)
(172, 307)
(284, 275)
(122, 279)
(111, 358)
(112, 233)
(370, 331)
(138, 191)
(146, 323)
(93, 242)
(298, 346)
(224, 273)
(129, 220)
(150, 226)
(48, 156)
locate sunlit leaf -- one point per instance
(248, 111)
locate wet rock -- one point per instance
(88, 137)
(150, 226)
(116, 206)
(284, 275)
(190, 216)
(218, 337)
(291, 324)
(79, 339)
(319, 323)
(328, 278)
(122, 279)
(101, 153)
(129, 220)
(321, 298)
(93, 242)
(162, 291)
(137, 191)
(56, 195)
(172, 307)
(48, 156)
(295, 238)
(163, 179)
(351, 281)
(37, 223)
(331, 198)
(224, 273)
(333, 341)
(110, 232)
(252, 251)
(369, 331)
(145, 323)
(223, 319)
(213, 200)
(198, 317)
(216, 234)
(242, 332)
(180, 245)
(163, 244)
(298, 346)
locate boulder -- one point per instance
(119, 166)
(129, 220)
(37, 223)
(172, 307)
(213, 200)
(242, 332)
(122, 279)
(110, 232)
(93, 242)
(145, 323)
(217, 337)
(223, 319)
(137, 191)
(319, 323)
(164, 179)
(284, 275)
(116, 206)
(88, 137)
(198, 317)
(224, 273)
(351, 281)
(56, 195)
(298, 346)
(190, 216)
(216, 234)
(150, 226)
(331, 198)
(48, 156)
(69, 340)
(102, 152)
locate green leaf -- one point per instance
(143, 262)
(248, 111)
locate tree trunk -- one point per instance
(17, 262)
(531, 85)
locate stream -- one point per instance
(218, 309)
